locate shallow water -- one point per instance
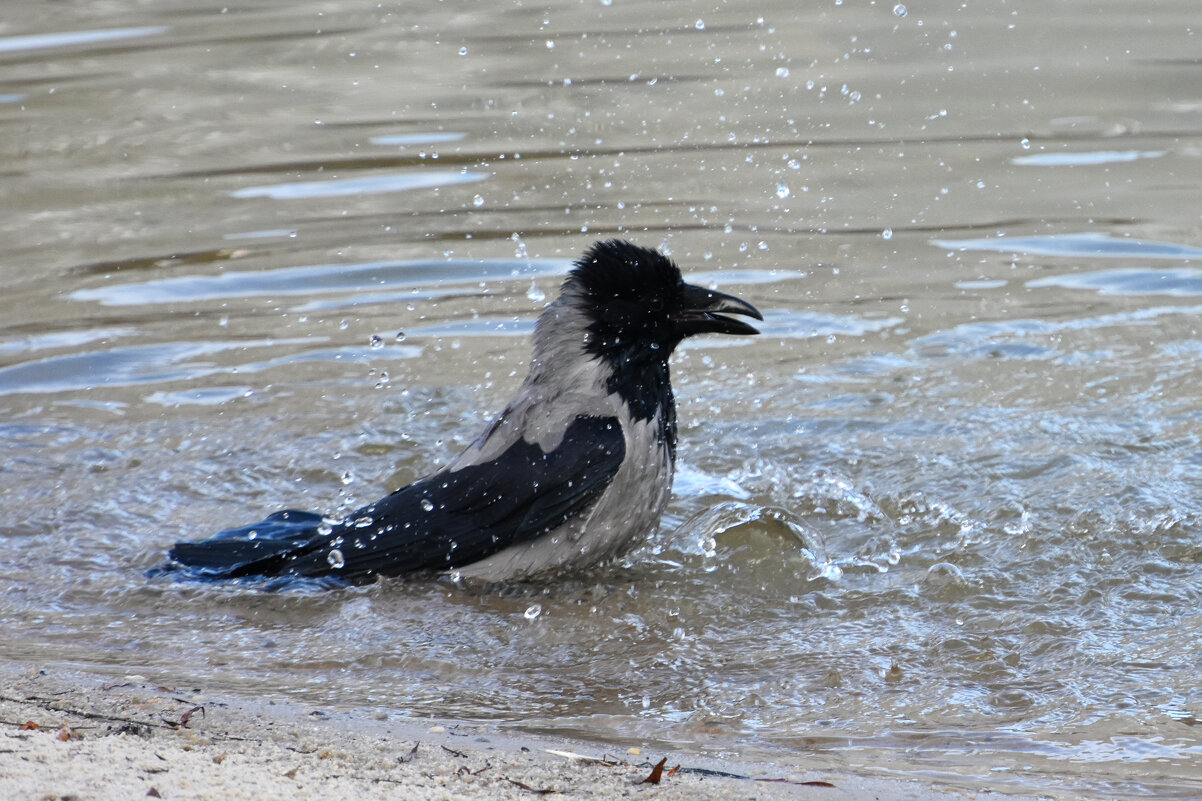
(941, 519)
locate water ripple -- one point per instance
(317, 279)
(431, 138)
(1090, 244)
(171, 361)
(1088, 158)
(1178, 281)
(362, 185)
(807, 324)
(41, 41)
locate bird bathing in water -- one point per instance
(576, 470)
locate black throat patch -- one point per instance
(646, 389)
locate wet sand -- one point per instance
(89, 737)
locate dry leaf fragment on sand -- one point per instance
(657, 772)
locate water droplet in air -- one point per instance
(336, 559)
(376, 341)
(535, 294)
(400, 336)
(463, 51)
(477, 201)
(782, 190)
(887, 234)
(348, 477)
(782, 72)
(345, 324)
(699, 25)
(533, 611)
(899, 10)
(1026, 143)
(428, 504)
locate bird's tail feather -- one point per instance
(255, 550)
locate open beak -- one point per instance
(703, 312)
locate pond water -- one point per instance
(943, 518)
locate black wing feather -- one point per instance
(444, 521)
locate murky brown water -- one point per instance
(942, 518)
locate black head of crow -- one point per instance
(638, 302)
(576, 470)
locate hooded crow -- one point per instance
(575, 471)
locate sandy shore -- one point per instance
(90, 738)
